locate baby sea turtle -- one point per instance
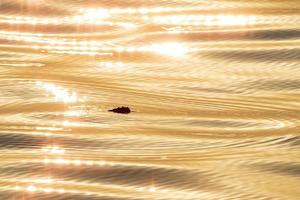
(121, 110)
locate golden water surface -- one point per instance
(214, 86)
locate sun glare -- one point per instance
(170, 49)
(91, 14)
(59, 93)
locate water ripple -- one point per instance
(213, 87)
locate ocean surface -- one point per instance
(213, 85)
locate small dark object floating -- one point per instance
(121, 110)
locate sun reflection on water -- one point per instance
(176, 64)
(53, 150)
(171, 49)
(93, 14)
(77, 162)
(34, 188)
(204, 20)
(59, 93)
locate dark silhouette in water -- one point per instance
(121, 110)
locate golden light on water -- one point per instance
(205, 20)
(149, 99)
(60, 93)
(53, 150)
(31, 188)
(94, 14)
(34, 189)
(62, 161)
(171, 49)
